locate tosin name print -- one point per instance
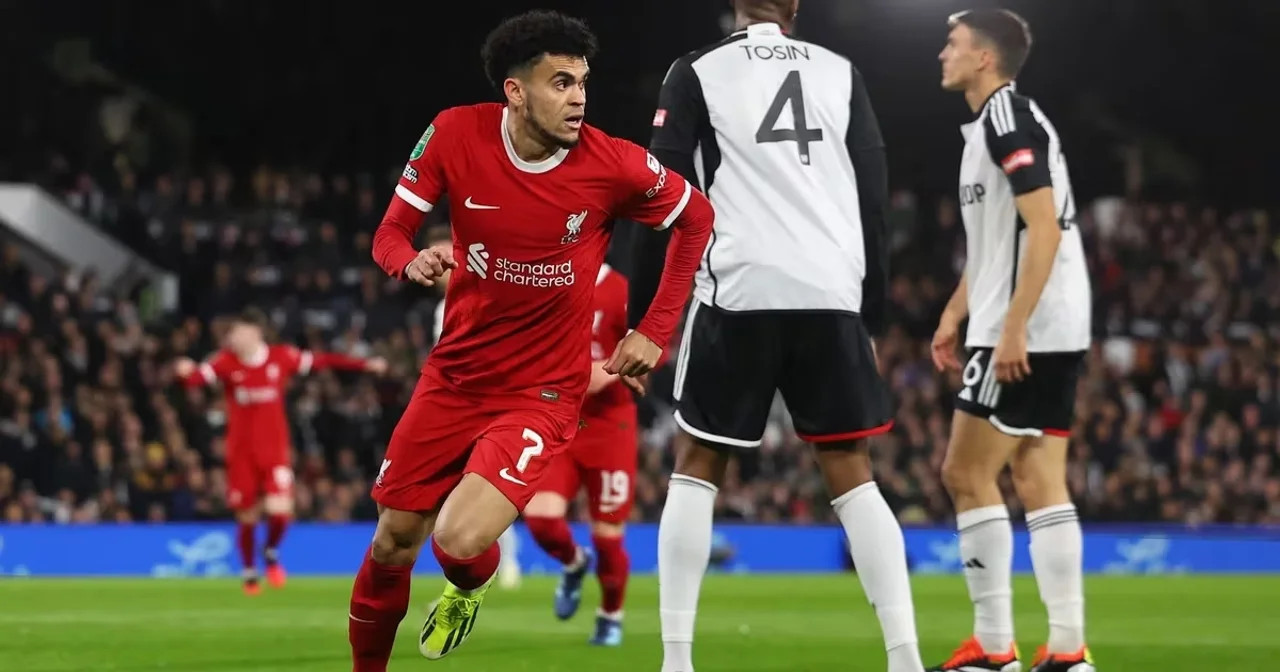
(777, 52)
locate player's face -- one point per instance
(556, 98)
(960, 59)
(244, 339)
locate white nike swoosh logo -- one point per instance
(506, 475)
(360, 620)
(477, 206)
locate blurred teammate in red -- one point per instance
(533, 190)
(254, 376)
(602, 458)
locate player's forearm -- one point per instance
(393, 241)
(1037, 263)
(648, 256)
(684, 253)
(958, 305)
(600, 379)
(872, 170)
(1043, 236)
(203, 374)
(332, 360)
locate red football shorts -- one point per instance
(603, 458)
(445, 434)
(250, 479)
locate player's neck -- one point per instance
(525, 142)
(746, 20)
(978, 94)
(255, 356)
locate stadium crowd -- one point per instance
(1177, 421)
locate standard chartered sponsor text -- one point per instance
(534, 275)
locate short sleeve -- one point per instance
(647, 191)
(1018, 143)
(681, 110)
(217, 367)
(422, 182)
(293, 360)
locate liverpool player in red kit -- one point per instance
(532, 190)
(602, 458)
(254, 375)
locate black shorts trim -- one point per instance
(1041, 404)
(731, 365)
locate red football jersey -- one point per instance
(608, 326)
(529, 240)
(255, 394)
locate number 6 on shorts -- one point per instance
(530, 451)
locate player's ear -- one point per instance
(987, 59)
(514, 91)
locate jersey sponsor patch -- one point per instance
(659, 170)
(1017, 160)
(421, 147)
(659, 117)
(410, 173)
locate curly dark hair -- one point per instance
(521, 40)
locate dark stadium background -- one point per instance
(326, 84)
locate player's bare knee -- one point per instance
(547, 505)
(248, 516)
(845, 465)
(966, 473)
(398, 537)
(959, 477)
(699, 460)
(1039, 475)
(278, 505)
(462, 542)
(605, 530)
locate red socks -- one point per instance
(471, 573)
(554, 536)
(379, 601)
(612, 568)
(276, 526)
(248, 560)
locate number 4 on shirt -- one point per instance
(792, 92)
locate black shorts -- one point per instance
(730, 365)
(1042, 403)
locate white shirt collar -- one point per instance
(758, 29)
(257, 359)
(529, 166)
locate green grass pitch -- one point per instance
(776, 623)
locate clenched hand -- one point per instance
(632, 360)
(431, 264)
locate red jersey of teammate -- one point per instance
(258, 460)
(604, 453)
(529, 239)
(614, 404)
